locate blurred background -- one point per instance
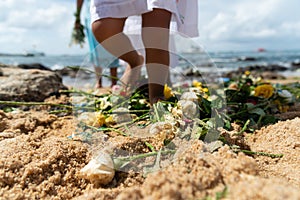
(235, 33)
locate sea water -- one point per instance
(202, 61)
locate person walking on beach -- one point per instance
(98, 55)
(108, 19)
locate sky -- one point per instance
(224, 25)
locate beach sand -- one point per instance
(38, 161)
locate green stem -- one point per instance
(78, 92)
(120, 162)
(145, 116)
(244, 127)
(150, 146)
(260, 153)
(59, 111)
(106, 129)
(17, 103)
(247, 110)
(129, 111)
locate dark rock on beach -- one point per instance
(246, 58)
(33, 66)
(192, 72)
(74, 72)
(266, 72)
(270, 75)
(263, 68)
(28, 84)
(295, 65)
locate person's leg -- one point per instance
(109, 32)
(155, 36)
(114, 75)
(98, 71)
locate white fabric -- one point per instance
(184, 12)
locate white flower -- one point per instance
(169, 117)
(191, 96)
(104, 103)
(177, 112)
(189, 109)
(286, 94)
(100, 170)
(194, 90)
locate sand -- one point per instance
(39, 161)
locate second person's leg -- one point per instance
(109, 32)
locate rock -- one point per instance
(272, 75)
(188, 72)
(296, 65)
(272, 67)
(245, 58)
(192, 72)
(277, 68)
(267, 72)
(33, 66)
(67, 72)
(1, 72)
(28, 85)
(74, 72)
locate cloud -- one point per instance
(291, 28)
(249, 21)
(40, 18)
(46, 24)
(223, 25)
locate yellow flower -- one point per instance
(168, 92)
(281, 107)
(205, 90)
(284, 108)
(197, 84)
(265, 91)
(247, 73)
(100, 120)
(109, 120)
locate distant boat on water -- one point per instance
(193, 50)
(261, 50)
(31, 53)
(25, 54)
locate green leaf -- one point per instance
(257, 111)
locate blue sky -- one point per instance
(224, 25)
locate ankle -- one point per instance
(154, 100)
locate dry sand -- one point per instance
(38, 161)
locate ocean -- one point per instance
(222, 61)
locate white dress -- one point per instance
(184, 12)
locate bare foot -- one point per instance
(98, 86)
(132, 74)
